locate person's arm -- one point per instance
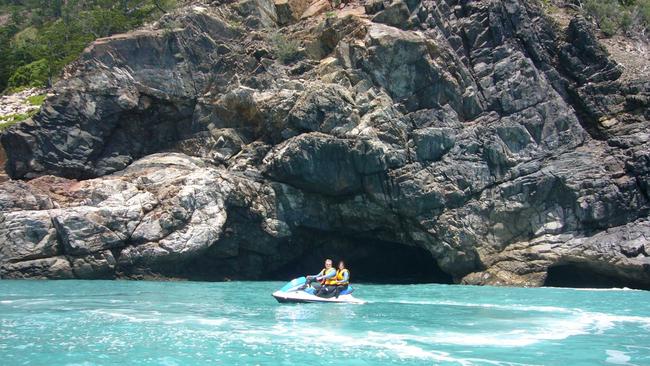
(316, 275)
(328, 275)
(346, 276)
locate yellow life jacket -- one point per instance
(339, 277)
(328, 281)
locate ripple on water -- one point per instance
(195, 324)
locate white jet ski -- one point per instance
(296, 292)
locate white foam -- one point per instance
(602, 322)
(536, 330)
(381, 344)
(209, 321)
(24, 346)
(548, 329)
(168, 361)
(504, 339)
(617, 357)
(124, 316)
(6, 301)
(516, 307)
(157, 317)
(595, 289)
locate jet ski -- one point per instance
(297, 291)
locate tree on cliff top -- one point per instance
(54, 32)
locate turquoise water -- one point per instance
(239, 323)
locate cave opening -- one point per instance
(369, 261)
(577, 275)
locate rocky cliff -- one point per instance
(477, 140)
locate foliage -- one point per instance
(26, 35)
(630, 17)
(284, 49)
(11, 119)
(55, 32)
(37, 100)
(32, 75)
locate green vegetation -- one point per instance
(614, 16)
(37, 100)
(42, 36)
(284, 49)
(628, 17)
(8, 120)
(34, 74)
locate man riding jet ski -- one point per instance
(326, 280)
(329, 285)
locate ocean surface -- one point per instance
(239, 323)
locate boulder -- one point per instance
(396, 14)
(290, 11)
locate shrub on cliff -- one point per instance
(37, 100)
(32, 75)
(284, 49)
(631, 17)
(11, 119)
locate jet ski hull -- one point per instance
(303, 297)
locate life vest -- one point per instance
(328, 281)
(339, 277)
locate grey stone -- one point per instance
(396, 14)
(499, 145)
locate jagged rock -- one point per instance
(432, 143)
(327, 108)
(396, 14)
(85, 230)
(53, 267)
(30, 198)
(94, 266)
(374, 6)
(290, 11)
(315, 8)
(325, 165)
(474, 136)
(258, 13)
(27, 235)
(3, 162)
(408, 66)
(584, 58)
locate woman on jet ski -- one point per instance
(342, 279)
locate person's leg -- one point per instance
(316, 285)
(328, 291)
(339, 289)
(321, 291)
(308, 281)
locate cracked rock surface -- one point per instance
(478, 131)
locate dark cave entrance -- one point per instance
(578, 275)
(369, 261)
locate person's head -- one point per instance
(328, 263)
(341, 265)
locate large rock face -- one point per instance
(475, 133)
